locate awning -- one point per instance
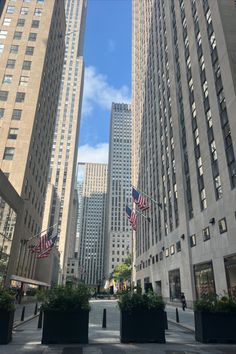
(28, 281)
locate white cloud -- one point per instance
(98, 92)
(94, 154)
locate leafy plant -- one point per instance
(7, 299)
(67, 298)
(134, 301)
(215, 303)
(122, 271)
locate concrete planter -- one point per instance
(6, 325)
(215, 327)
(61, 327)
(142, 326)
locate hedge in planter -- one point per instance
(142, 318)
(215, 320)
(7, 309)
(66, 315)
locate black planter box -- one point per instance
(215, 327)
(61, 327)
(142, 326)
(6, 324)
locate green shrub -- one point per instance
(134, 301)
(214, 303)
(67, 298)
(7, 299)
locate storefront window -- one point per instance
(230, 269)
(7, 227)
(204, 279)
(174, 283)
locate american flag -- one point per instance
(132, 217)
(44, 242)
(139, 200)
(45, 253)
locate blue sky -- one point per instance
(107, 55)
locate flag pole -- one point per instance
(144, 216)
(153, 200)
(31, 238)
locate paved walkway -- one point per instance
(27, 338)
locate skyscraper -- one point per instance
(31, 61)
(184, 79)
(59, 204)
(118, 232)
(92, 221)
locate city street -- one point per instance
(27, 338)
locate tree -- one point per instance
(123, 271)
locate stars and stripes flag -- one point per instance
(46, 252)
(132, 217)
(45, 241)
(139, 200)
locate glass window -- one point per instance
(7, 79)
(3, 95)
(24, 11)
(14, 49)
(193, 240)
(1, 48)
(230, 269)
(12, 134)
(17, 35)
(172, 249)
(3, 34)
(27, 1)
(32, 36)
(26, 65)
(29, 50)
(24, 80)
(11, 63)
(16, 114)
(10, 9)
(8, 153)
(40, 1)
(204, 279)
(6, 21)
(38, 12)
(174, 284)
(222, 225)
(20, 96)
(35, 24)
(206, 234)
(2, 110)
(20, 22)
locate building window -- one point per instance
(10, 9)
(38, 12)
(12, 134)
(1, 48)
(40, 1)
(26, 65)
(14, 49)
(178, 246)
(230, 269)
(8, 153)
(17, 35)
(7, 79)
(16, 114)
(20, 96)
(2, 110)
(206, 234)
(3, 34)
(11, 63)
(24, 80)
(174, 284)
(20, 22)
(32, 37)
(222, 225)
(6, 21)
(204, 279)
(24, 11)
(193, 241)
(167, 252)
(3, 95)
(35, 24)
(29, 50)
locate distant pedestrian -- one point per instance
(183, 301)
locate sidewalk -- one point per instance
(186, 318)
(29, 312)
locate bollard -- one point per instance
(36, 309)
(177, 315)
(40, 319)
(23, 314)
(104, 319)
(165, 319)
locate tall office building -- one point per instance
(59, 203)
(92, 221)
(118, 232)
(184, 77)
(31, 61)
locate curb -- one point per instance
(25, 321)
(181, 325)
